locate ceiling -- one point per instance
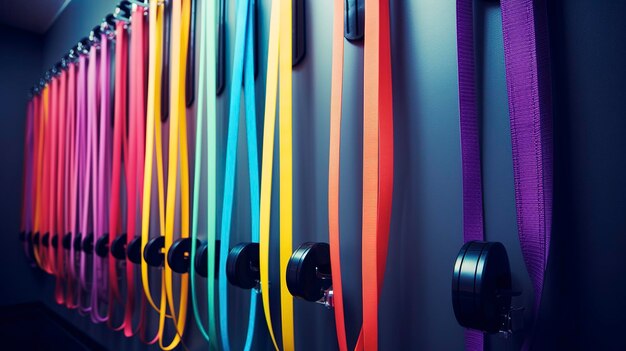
(31, 15)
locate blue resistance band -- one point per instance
(243, 45)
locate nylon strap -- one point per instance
(336, 95)
(526, 53)
(244, 58)
(279, 56)
(207, 80)
(377, 163)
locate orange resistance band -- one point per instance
(377, 166)
(377, 162)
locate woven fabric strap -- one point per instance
(526, 54)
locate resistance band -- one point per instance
(377, 162)
(153, 130)
(89, 198)
(71, 186)
(279, 56)
(51, 176)
(39, 171)
(244, 56)
(135, 162)
(524, 25)
(59, 229)
(102, 172)
(336, 96)
(177, 143)
(119, 150)
(82, 153)
(27, 176)
(377, 166)
(206, 100)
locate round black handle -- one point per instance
(67, 241)
(102, 245)
(178, 256)
(202, 262)
(88, 243)
(45, 240)
(308, 271)
(118, 247)
(55, 241)
(36, 239)
(242, 265)
(480, 282)
(78, 242)
(153, 252)
(133, 250)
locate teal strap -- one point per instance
(208, 55)
(244, 53)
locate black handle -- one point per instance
(118, 247)
(308, 271)
(355, 20)
(67, 241)
(78, 242)
(202, 261)
(178, 256)
(102, 246)
(153, 252)
(481, 273)
(242, 265)
(87, 245)
(133, 250)
(45, 240)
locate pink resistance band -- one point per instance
(119, 150)
(48, 208)
(102, 170)
(92, 185)
(60, 190)
(72, 191)
(80, 171)
(52, 148)
(135, 167)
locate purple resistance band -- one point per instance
(27, 206)
(526, 53)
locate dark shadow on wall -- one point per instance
(583, 301)
(20, 67)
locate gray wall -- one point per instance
(583, 295)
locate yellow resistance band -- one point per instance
(279, 39)
(153, 141)
(178, 139)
